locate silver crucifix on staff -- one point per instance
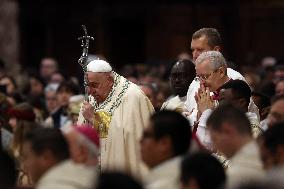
(83, 60)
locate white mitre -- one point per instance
(99, 66)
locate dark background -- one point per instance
(128, 32)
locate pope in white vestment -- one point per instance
(120, 120)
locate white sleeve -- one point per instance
(190, 102)
(202, 132)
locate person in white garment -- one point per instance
(119, 110)
(231, 135)
(238, 93)
(164, 142)
(211, 70)
(207, 39)
(182, 74)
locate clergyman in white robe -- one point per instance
(122, 118)
(190, 103)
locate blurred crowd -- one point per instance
(38, 148)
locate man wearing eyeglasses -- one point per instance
(212, 74)
(203, 40)
(211, 71)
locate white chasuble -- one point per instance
(120, 121)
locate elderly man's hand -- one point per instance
(204, 100)
(88, 112)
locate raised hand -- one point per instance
(88, 112)
(203, 99)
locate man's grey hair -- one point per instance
(216, 58)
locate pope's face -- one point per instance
(99, 85)
(199, 46)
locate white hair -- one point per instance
(216, 58)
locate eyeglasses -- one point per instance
(205, 76)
